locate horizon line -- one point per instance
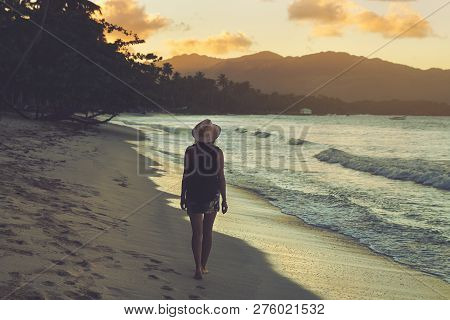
(299, 56)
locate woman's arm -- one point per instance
(184, 182)
(222, 182)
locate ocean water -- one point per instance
(382, 181)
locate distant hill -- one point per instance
(373, 79)
(191, 63)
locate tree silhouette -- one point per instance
(167, 70)
(70, 70)
(222, 81)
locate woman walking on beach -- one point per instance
(203, 184)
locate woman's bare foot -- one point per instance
(198, 275)
(204, 270)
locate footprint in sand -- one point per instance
(167, 297)
(85, 295)
(73, 295)
(98, 276)
(48, 283)
(167, 288)
(122, 181)
(83, 264)
(170, 270)
(19, 251)
(93, 295)
(104, 249)
(116, 291)
(152, 276)
(200, 287)
(135, 254)
(68, 242)
(155, 261)
(58, 262)
(62, 273)
(150, 267)
(19, 242)
(194, 297)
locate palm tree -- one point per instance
(53, 80)
(222, 81)
(167, 70)
(176, 76)
(199, 75)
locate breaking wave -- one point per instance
(428, 173)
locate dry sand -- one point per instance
(77, 221)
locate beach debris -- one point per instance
(296, 142)
(241, 130)
(262, 134)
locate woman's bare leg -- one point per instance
(197, 236)
(208, 222)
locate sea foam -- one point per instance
(429, 173)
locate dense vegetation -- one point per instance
(69, 67)
(68, 70)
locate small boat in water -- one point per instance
(398, 118)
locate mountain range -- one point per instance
(347, 77)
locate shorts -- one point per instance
(206, 207)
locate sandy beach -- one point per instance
(83, 216)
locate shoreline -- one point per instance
(77, 195)
(345, 236)
(342, 237)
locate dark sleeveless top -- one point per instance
(202, 172)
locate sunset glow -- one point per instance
(290, 27)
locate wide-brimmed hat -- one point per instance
(206, 131)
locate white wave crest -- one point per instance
(424, 172)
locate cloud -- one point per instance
(331, 17)
(321, 11)
(394, 23)
(221, 44)
(133, 17)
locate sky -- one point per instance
(234, 28)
